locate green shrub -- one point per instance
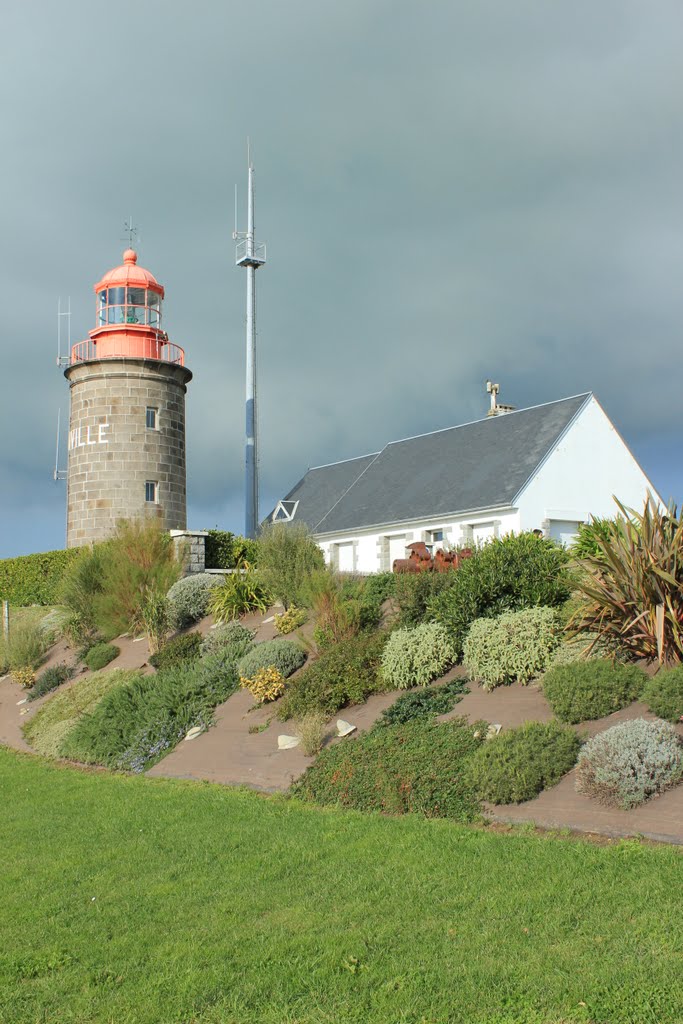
(230, 637)
(136, 725)
(424, 703)
(177, 651)
(415, 768)
(516, 765)
(664, 694)
(582, 647)
(636, 576)
(225, 550)
(585, 690)
(629, 763)
(290, 620)
(508, 574)
(287, 555)
(284, 655)
(100, 655)
(513, 647)
(188, 599)
(414, 656)
(589, 541)
(50, 679)
(241, 592)
(60, 713)
(345, 673)
(414, 592)
(379, 587)
(35, 579)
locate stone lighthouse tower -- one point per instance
(127, 422)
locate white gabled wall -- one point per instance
(589, 465)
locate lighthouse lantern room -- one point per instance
(126, 451)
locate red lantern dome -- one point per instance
(128, 318)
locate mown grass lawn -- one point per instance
(135, 900)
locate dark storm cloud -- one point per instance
(449, 191)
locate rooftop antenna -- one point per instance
(497, 409)
(251, 255)
(131, 232)
(59, 474)
(63, 360)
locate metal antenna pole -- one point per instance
(251, 256)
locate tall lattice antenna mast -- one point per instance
(66, 359)
(251, 255)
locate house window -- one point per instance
(151, 491)
(151, 418)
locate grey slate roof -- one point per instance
(479, 465)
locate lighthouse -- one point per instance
(126, 448)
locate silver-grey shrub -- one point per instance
(515, 646)
(629, 763)
(414, 656)
(285, 655)
(229, 636)
(188, 599)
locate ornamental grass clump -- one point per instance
(630, 763)
(413, 657)
(664, 694)
(632, 585)
(514, 647)
(416, 768)
(518, 764)
(287, 556)
(265, 685)
(312, 732)
(230, 638)
(188, 599)
(585, 690)
(241, 592)
(285, 655)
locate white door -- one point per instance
(564, 531)
(483, 533)
(397, 548)
(345, 557)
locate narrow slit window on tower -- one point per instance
(151, 491)
(151, 417)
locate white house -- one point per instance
(549, 467)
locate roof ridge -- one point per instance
(486, 419)
(339, 462)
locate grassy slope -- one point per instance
(131, 900)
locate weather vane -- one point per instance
(131, 232)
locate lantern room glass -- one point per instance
(121, 305)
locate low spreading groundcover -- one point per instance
(143, 901)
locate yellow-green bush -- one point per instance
(265, 685)
(513, 647)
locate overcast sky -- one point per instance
(449, 191)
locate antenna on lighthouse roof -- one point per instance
(251, 255)
(131, 232)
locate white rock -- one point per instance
(345, 728)
(287, 742)
(271, 619)
(194, 732)
(22, 701)
(25, 711)
(137, 639)
(493, 730)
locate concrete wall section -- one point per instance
(113, 454)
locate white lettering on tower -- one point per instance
(82, 437)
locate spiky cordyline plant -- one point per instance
(633, 584)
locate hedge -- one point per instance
(223, 550)
(35, 579)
